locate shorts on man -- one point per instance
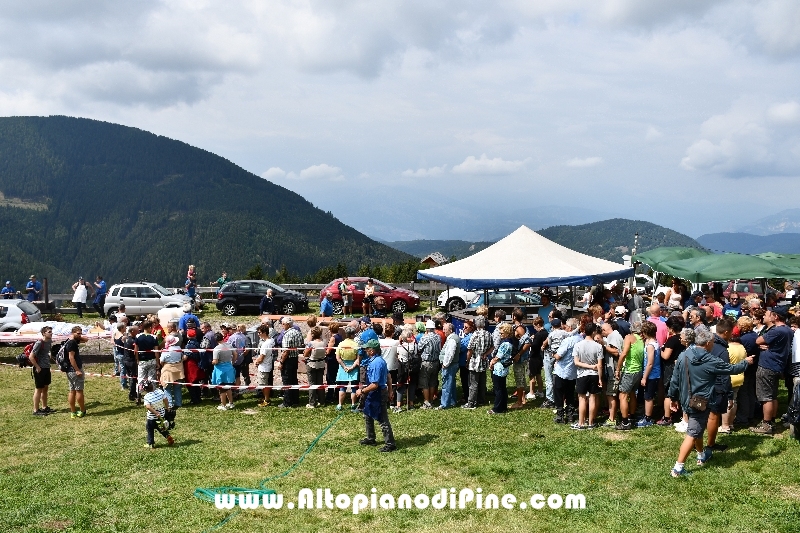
(42, 378)
(75, 381)
(264, 379)
(697, 424)
(610, 383)
(651, 388)
(587, 385)
(719, 405)
(767, 384)
(629, 382)
(428, 375)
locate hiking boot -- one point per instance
(48, 410)
(763, 428)
(624, 426)
(559, 418)
(387, 448)
(368, 442)
(39, 412)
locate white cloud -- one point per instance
(585, 162)
(786, 113)
(777, 24)
(747, 141)
(652, 134)
(322, 172)
(274, 173)
(486, 166)
(425, 172)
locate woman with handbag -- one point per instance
(692, 387)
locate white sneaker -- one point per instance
(221, 407)
(229, 406)
(309, 406)
(530, 396)
(681, 426)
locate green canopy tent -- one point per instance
(721, 267)
(654, 258)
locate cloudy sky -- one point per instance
(428, 119)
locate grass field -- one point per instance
(93, 474)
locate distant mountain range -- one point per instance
(787, 221)
(745, 243)
(607, 239)
(83, 197)
(422, 247)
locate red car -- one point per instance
(745, 288)
(397, 299)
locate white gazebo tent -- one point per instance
(526, 259)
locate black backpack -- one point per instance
(22, 359)
(62, 359)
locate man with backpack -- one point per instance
(39, 357)
(73, 366)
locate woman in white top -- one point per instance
(369, 292)
(674, 296)
(314, 356)
(81, 289)
(265, 361)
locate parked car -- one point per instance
(242, 297)
(745, 288)
(14, 313)
(455, 299)
(142, 298)
(397, 299)
(507, 298)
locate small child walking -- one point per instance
(156, 403)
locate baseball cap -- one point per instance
(32, 277)
(780, 310)
(373, 343)
(8, 283)
(620, 310)
(430, 324)
(286, 320)
(556, 322)
(365, 319)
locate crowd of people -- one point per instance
(621, 363)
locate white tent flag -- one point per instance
(526, 259)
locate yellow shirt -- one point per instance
(737, 353)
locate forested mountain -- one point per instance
(607, 239)
(84, 197)
(611, 239)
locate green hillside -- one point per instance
(83, 197)
(611, 239)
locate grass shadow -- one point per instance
(416, 441)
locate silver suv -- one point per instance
(14, 313)
(142, 298)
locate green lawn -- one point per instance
(94, 474)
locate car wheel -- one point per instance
(112, 310)
(229, 309)
(288, 308)
(399, 306)
(338, 308)
(454, 304)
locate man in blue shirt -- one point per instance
(8, 291)
(99, 296)
(325, 307)
(776, 347)
(376, 398)
(34, 289)
(545, 309)
(733, 308)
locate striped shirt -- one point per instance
(155, 400)
(480, 341)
